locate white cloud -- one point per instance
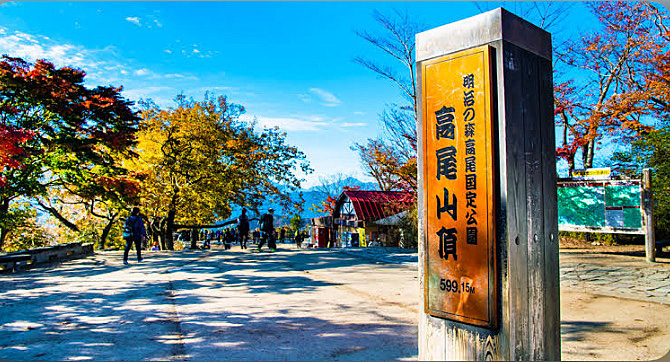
(168, 51)
(196, 51)
(135, 20)
(358, 113)
(180, 76)
(162, 95)
(31, 48)
(143, 92)
(291, 124)
(349, 125)
(328, 99)
(104, 65)
(142, 72)
(158, 24)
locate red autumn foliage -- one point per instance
(612, 94)
(93, 116)
(11, 150)
(51, 108)
(125, 186)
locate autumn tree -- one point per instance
(23, 230)
(329, 189)
(391, 158)
(651, 83)
(650, 86)
(618, 69)
(389, 166)
(62, 134)
(198, 160)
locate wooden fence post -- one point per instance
(648, 216)
(491, 281)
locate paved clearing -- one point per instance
(211, 305)
(358, 304)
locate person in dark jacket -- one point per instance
(256, 235)
(299, 237)
(134, 233)
(243, 229)
(268, 230)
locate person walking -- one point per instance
(299, 237)
(243, 229)
(134, 233)
(268, 230)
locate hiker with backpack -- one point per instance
(134, 233)
(268, 230)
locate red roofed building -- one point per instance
(356, 212)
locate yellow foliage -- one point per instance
(199, 159)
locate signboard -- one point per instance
(460, 274)
(600, 206)
(361, 237)
(592, 174)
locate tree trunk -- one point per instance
(4, 209)
(162, 227)
(587, 154)
(194, 238)
(169, 229)
(59, 217)
(571, 164)
(105, 231)
(156, 233)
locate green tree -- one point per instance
(198, 159)
(652, 151)
(23, 231)
(296, 223)
(67, 136)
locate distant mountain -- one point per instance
(311, 196)
(349, 181)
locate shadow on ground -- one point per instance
(100, 310)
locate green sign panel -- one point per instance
(605, 204)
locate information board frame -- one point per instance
(605, 229)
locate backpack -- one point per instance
(128, 231)
(265, 222)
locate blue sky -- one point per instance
(289, 63)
